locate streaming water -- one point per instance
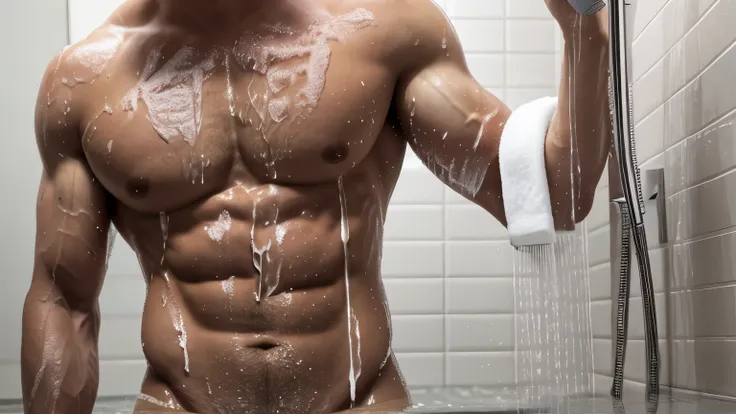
(553, 332)
(352, 321)
(178, 321)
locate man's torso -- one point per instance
(252, 179)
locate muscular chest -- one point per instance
(296, 110)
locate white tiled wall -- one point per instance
(684, 63)
(447, 263)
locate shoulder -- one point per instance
(417, 32)
(64, 89)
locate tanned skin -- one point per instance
(299, 184)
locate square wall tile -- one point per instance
(415, 296)
(422, 369)
(488, 69)
(527, 9)
(418, 186)
(480, 333)
(479, 259)
(471, 222)
(530, 35)
(530, 70)
(479, 295)
(480, 368)
(418, 333)
(418, 223)
(413, 259)
(476, 9)
(480, 35)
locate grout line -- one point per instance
(687, 32)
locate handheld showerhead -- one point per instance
(587, 7)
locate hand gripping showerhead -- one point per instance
(633, 202)
(587, 7)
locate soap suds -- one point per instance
(467, 178)
(281, 233)
(173, 94)
(218, 229)
(94, 57)
(259, 54)
(228, 286)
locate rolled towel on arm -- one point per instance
(524, 186)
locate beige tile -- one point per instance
(702, 156)
(600, 315)
(681, 64)
(710, 261)
(600, 282)
(679, 16)
(645, 13)
(599, 213)
(716, 31)
(718, 95)
(706, 208)
(714, 312)
(649, 47)
(599, 243)
(680, 317)
(649, 92)
(636, 362)
(649, 135)
(715, 367)
(603, 356)
(682, 366)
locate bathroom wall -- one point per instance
(684, 96)
(447, 264)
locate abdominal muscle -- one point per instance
(214, 346)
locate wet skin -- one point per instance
(258, 222)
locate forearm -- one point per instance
(59, 364)
(579, 136)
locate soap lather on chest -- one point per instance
(285, 73)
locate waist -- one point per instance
(292, 351)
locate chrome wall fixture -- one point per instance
(630, 207)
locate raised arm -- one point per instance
(454, 125)
(61, 316)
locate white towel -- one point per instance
(523, 175)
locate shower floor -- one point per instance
(495, 401)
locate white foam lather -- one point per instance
(524, 184)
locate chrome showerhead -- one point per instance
(587, 7)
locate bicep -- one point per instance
(72, 220)
(454, 126)
(71, 233)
